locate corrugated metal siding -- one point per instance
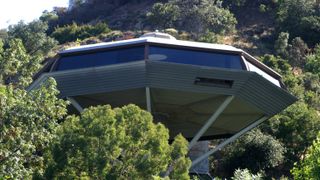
(102, 79)
(182, 77)
(265, 95)
(248, 86)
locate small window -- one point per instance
(254, 68)
(202, 58)
(95, 59)
(222, 83)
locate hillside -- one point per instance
(284, 35)
(255, 29)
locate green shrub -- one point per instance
(255, 151)
(313, 61)
(244, 174)
(73, 32)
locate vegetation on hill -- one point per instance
(35, 131)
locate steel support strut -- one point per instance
(75, 104)
(148, 99)
(231, 139)
(210, 121)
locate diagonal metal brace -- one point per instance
(231, 139)
(211, 120)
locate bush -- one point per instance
(281, 44)
(73, 32)
(298, 52)
(111, 36)
(244, 174)
(209, 37)
(313, 61)
(255, 151)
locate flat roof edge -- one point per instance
(105, 45)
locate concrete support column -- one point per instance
(195, 152)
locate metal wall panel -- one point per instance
(265, 95)
(182, 77)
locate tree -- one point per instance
(16, 66)
(48, 16)
(121, 143)
(298, 52)
(196, 16)
(313, 61)
(200, 16)
(163, 15)
(218, 19)
(281, 44)
(277, 63)
(296, 127)
(33, 36)
(298, 17)
(28, 122)
(254, 151)
(309, 166)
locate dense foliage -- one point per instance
(16, 65)
(245, 174)
(33, 36)
(192, 15)
(309, 168)
(28, 122)
(254, 151)
(298, 17)
(74, 32)
(119, 143)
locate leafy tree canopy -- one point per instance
(309, 167)
(28, 124)
(16, 65)
(197, 16)
(116, 143)
(244, 174)
(298, 17)
(33, 36)
(163, 15)
(255, 151)
(296, 128)
(313, 61)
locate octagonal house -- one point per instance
(204, 91)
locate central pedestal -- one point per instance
(196, 151)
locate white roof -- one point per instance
(220, 47)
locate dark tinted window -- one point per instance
(101, 58)
(195, 57)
